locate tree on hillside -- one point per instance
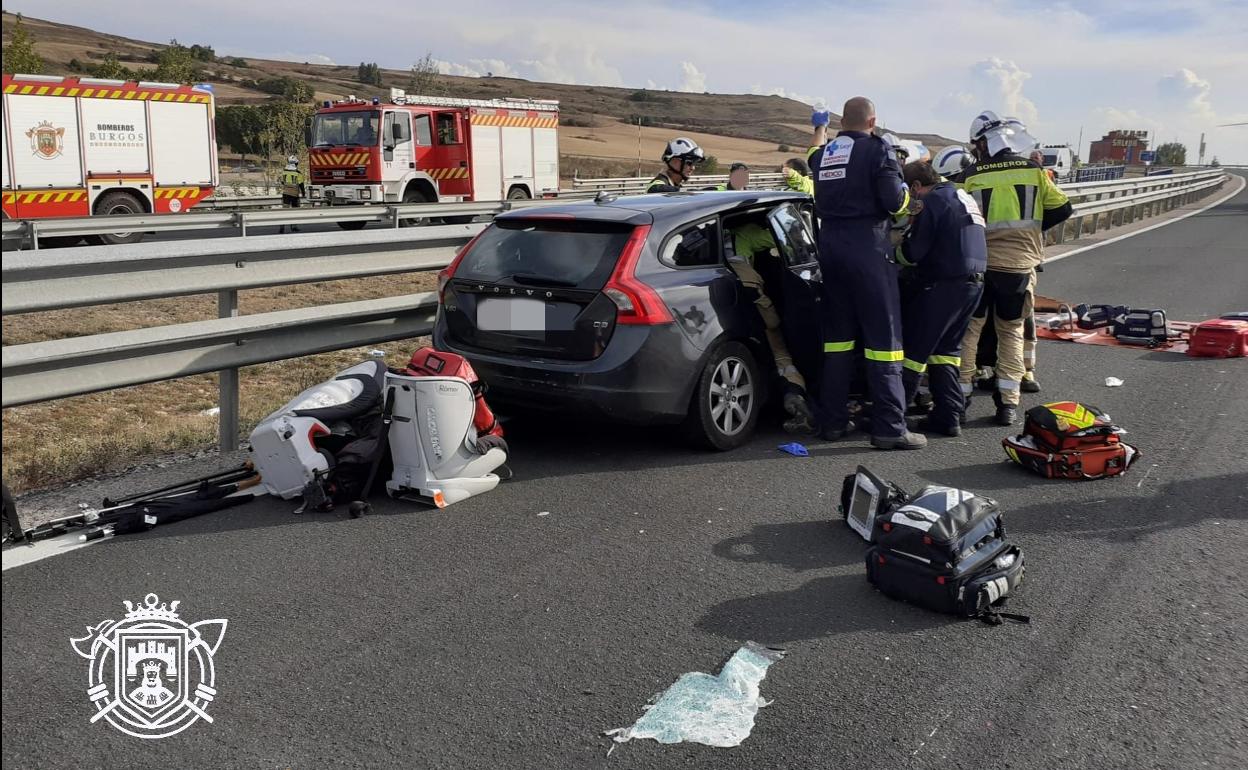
(203, 53)
(283, 127)
(1215, 162)
(239, 127)
(111, 69)
(175, 64)
(369, 74)
(297, 92)
(1171, 154)
(19, 54)
(290, 89)
(423, 79)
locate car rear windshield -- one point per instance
(530, 252)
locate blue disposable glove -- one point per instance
(820, 118)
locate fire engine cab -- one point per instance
(424, 149)
(76, 147)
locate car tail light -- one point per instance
(635, 302)
(448, 272)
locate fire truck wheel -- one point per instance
(118, 204)
(518, 194)
(413, 195)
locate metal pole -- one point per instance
(227, 384)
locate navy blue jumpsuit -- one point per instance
(948, 255)
(858, 189)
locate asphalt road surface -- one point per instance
(491, 635)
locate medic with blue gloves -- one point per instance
(858, 190)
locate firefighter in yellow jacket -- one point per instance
(292, 188)
(1019, 202)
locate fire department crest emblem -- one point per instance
(150, 674)
(46, 140)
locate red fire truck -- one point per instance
(423, 149)
(75, 147)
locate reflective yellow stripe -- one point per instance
(945, 360)
(905, 202)
(914, 366)
(884, 356)
(838, 347)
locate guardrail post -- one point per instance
(33, 228)
(227, 382)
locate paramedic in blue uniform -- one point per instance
(946, 254)
(858, 190)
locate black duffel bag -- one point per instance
(976, 588)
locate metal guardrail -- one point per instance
(58, 279)
(76, 277)
(394, 215)
(391, 215)
(1130, 208)
(42, 371)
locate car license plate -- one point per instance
(511, 315)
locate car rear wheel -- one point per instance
(726, 399)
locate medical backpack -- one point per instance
(975, 587)
(941, 526)
(1069, 440)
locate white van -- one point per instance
(1061, 159)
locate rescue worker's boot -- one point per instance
(906, 440)
(836, 434)
(922, 403)
(1007, 414)
(928, 425)
(1029, 384)
(801, 417)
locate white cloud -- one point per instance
(577, 64)
(693, 80)
(477, 68)
(787, 94)
(1189, 93)
(997, 84)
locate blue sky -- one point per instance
(930, 66)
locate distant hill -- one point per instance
(599, 133)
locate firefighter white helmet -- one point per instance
(1021, 139)
(894, 141)
(999, 134)
(685, 149)
(292, 163)
(951, 161)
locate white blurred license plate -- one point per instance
(511, 315)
